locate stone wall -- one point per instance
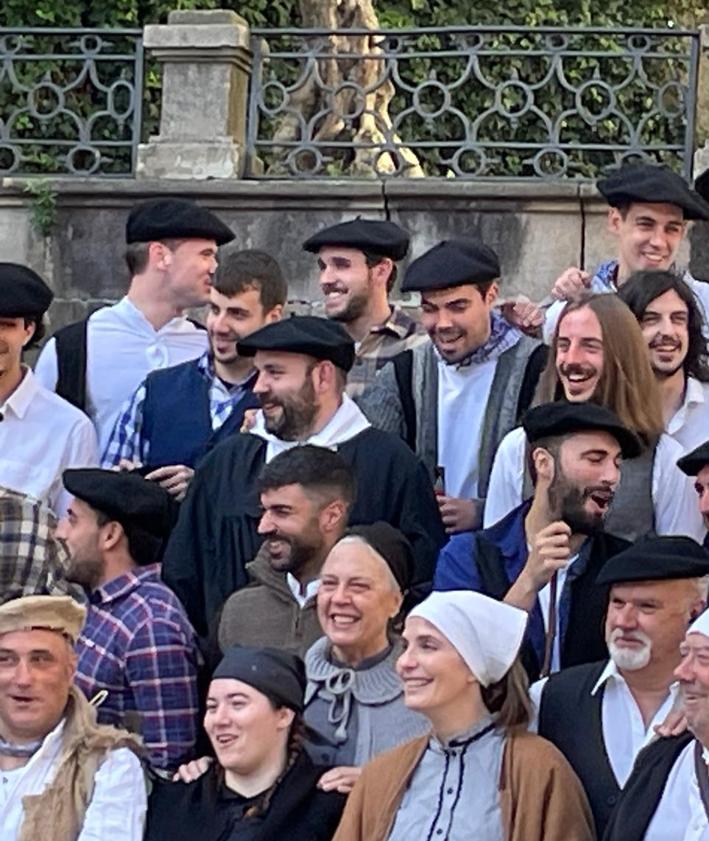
(537, 229)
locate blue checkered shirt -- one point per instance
(127, 440)
(138, 645)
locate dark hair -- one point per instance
(509, 699)
(372, 259)
(552, 444)
(138, 253)
(317, 470)
(241, 270)
(144, 548)
(40, 329)
(642, 288)
(296, 739)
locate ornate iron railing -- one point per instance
(70, 101)
(470, 102)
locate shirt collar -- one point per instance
(205, 365)
(122, 585)
(694, 392)
(612, 673)
(20, 399)
(125, 308)
(311, 589)
(399, 323)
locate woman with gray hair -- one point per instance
(354, 701)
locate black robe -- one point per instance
(206, 810)
(216, 533)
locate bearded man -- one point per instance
(306, 495)
(302, 365)
(602, 715)
(545, 554)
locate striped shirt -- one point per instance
(138, 646)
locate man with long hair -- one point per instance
(598, 354)
(671, 322)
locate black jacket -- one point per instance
(216, 533)
(206, 810)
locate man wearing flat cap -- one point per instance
(545, 554)
(62, 775)
(649, 208)
(302, 365)
(454, 398)
(137, 645)
(40, 434)
(357, 264)
(177, 414)
(171, 256)
(696, 464)
(604, 715)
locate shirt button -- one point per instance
(612, 800)
(439, 832)
(449, 791)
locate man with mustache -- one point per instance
(306, 496)
(357, 265)
(40, 433)
(178, 414)
(657, 587)
(454, 398)
(649, 208)
(545, 555)
(302, 365)
(671, 321)
(696, 464)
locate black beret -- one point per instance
(374, 235)
(701, 185)
(124, 496)
(307, 334)
(453, 262)
(275, 673)
(656, 559)
(175, 219)
(652, 184)
(392, 545)
(22, 292)
(562, 418)
(693, 462)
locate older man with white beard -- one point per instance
(657, 587)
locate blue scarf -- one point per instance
(502, 337)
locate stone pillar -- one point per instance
(206, 66)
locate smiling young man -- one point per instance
(40, 434)
(306, 495)
(172, 256)
(357, 265)
(453, 399)
(302, 365)
(649, 207)
(671, 322)
(544, 556)
(602, 715)
(178, 414)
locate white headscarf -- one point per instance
(486, 633)
(700, 624)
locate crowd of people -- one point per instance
(365, 576)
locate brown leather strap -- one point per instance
(551, 627)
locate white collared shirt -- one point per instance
(624, 733)
(118, 804)
(673, 496)
(42, 435)
(311, 589)
(689, 425)
(463, 393)
(698, 827)
(123, 347)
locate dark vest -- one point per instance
(643, 791)
(570, 718)
(584, 639)
(176, 419)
